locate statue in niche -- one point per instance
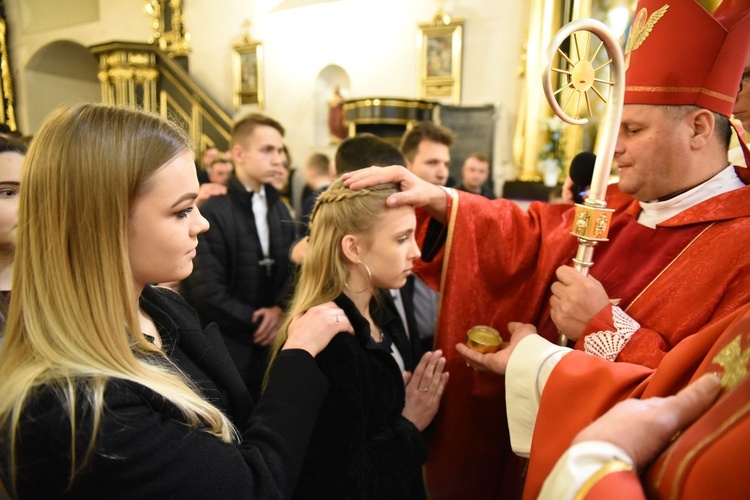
(336, 127)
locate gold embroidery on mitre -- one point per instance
(734, 361)
(641, 29)
(681, 90)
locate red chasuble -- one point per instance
(497, 265)
(710, 459)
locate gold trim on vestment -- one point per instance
(668, 456)
(679, 90)
(447, 253)
(608, 468)
(734, 362)
(698, 447)
(668, 266)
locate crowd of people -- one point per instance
(197, 333)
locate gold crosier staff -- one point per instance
(592, 218)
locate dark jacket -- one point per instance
(385, 314)
(228, 284)
(308, 203)
(407, 300)
(145, 451)
(361, 446)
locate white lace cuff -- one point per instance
(608, 344)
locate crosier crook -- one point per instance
(592, 218)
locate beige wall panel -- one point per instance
(45, 15)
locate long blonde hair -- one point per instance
(73, 319)
(338, 211)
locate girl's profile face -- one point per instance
(393, 250)
(10, 183)
(164, 224)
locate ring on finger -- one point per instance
(423, 389)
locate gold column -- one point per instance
(544, 22)
(7, 109)
(148, 78)
(129, 78)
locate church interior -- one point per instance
(410, 268)
(472, 65)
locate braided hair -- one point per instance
(338, 211)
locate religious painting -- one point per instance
(439, 56)
(248, 73)
(439, 46)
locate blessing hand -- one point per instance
(414, 191)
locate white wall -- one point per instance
(374, 41)
(118, 20)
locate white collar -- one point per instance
(656, 212)
(261, 194)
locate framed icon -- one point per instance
(248, 73)
(439, 45)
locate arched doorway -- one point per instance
(61, 72)
(329, 79)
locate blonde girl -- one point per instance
(367, 441)
(110, 387)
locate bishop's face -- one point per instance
(652, 152)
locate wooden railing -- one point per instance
(139, 74)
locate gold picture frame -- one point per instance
(439, 45)
(247, 63)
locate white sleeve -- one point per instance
(578, 465)
(529, 367)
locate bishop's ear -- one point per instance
(703, 124)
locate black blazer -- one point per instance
(228, 283)
(144, 450)
(411, 344)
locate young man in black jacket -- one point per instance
(242, 275)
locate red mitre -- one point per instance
(679, 54)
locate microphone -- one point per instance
(581, 172)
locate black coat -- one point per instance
(227, 284)
(145, 451)
(361, 446)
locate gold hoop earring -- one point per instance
(369, 279)
(346, 285)
(369, 274)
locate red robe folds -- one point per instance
(710, 459)
(497, 265)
